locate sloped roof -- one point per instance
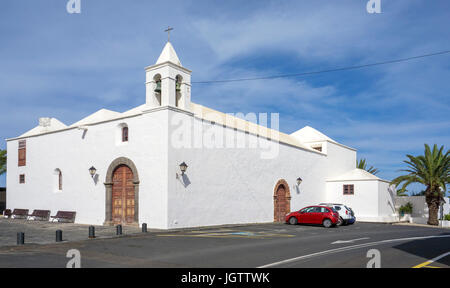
(200, 111)
(238, 123)
(135, 111)
(355, 175)
(309, 134)
(168, 54)
(53, 125)
(99, 116)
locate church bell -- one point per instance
(158, 87)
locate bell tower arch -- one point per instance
(168, 83)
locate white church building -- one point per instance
(113, 167)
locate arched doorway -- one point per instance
(122, 193)
(281, 201)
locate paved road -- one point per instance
(267, 245)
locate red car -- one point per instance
(314, 215)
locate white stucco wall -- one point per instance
(386, 202)
(230, 186)
(340, 159)
(364, 202)
(74, 155)
(222, 185)
(372, 201)
(226, 185)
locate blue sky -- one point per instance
(67, 66)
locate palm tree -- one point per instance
(402, 192)
(2, 161)
(431, 170)
(361, 164)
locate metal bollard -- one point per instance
(91, 232)
(144, 227)
(20, 238)
(58, 235)
(119, 229)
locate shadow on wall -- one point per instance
(184, 179)
(96, 178)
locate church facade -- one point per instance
(172, 163)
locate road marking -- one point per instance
(349, 241)
(342, 249)
(425, 264)
(228, 234)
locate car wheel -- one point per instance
(327, 223)
(293, 221)
(340, 222)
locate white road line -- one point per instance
(349, 241)
(348, 248)
(426, 263)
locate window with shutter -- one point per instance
(22, 153)
(124, 134)
(349, 189)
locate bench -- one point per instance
(42, 215)
(19, 213)
(65, 216)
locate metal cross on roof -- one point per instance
(168, 32)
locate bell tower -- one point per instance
(168, 83)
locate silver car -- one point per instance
(345, 213)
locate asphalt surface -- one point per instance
(261, 245)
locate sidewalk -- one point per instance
(44, 232)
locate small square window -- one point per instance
(349, 189)
(22, 178)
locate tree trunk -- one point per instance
(433, 202)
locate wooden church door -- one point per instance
(123, 195)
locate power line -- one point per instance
(325, 71)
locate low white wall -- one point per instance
(420, 207)
(444, 224)
(380, 219)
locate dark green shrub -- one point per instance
(406, 209)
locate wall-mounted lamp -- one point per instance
(92, 171)
(183, 168)
(299, 181)
(183, 178)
